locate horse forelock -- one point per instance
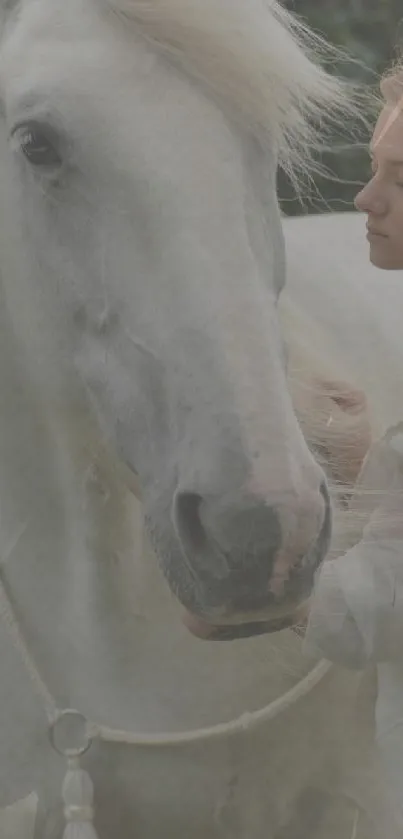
(258, 58)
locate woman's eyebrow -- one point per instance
(391, 161)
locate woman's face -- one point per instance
(382, 197)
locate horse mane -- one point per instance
(259, 59)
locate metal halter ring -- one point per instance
(75, 751)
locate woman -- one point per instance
(356, 616)
(382, 197)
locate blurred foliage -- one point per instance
(371, 32)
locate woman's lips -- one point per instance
(375, 234)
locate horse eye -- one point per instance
(39, 146)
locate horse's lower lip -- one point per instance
(213, 632)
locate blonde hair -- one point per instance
(259, 60)
(392, 82)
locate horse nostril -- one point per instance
(187, 519)
(192, 534)
(227, 538)
(233, 550)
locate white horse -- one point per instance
(175, 367)
(142, 259)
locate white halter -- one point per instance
(77, 787)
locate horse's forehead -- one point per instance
(40, 19)
(54, 60)
(49, 33)
(87, 71)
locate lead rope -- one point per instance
(77, 788)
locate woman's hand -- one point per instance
(347, 434)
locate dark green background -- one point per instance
(371, 32)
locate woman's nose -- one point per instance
(370, 199)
